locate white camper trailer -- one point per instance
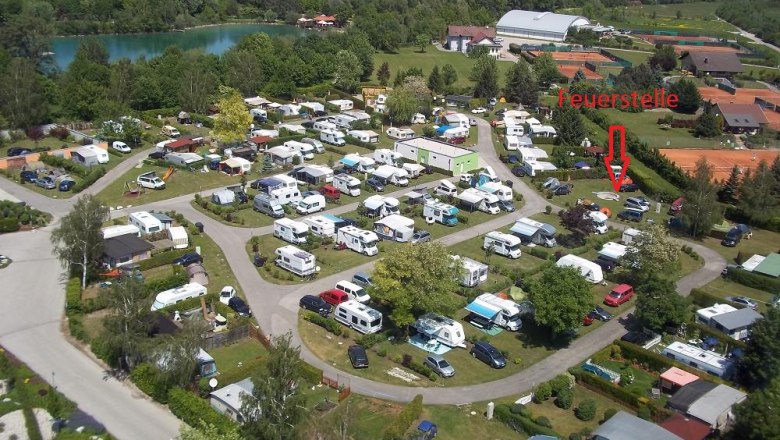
(387, 156)
(293, 128)
(400, 133)
(306, 150)
(478, 200)
(507, 245)
(366, 136)
(178, 294)
(533, 167)
(324, 125)
(414, 169)
(438, 212)
(286, 181)
(474, 272)
(629, 235)
(446, 188)
(358, 163)
(532, 231)
(286, 196)
(418, 118)
(395, 227)
(344, 121)
(116, 231)
(296, 260)
(442, 329)
(613, 251)
(321, 225)
(146, 223)
(359, 317)
(179, 237)
(290, 230)
(358, 240)
(342, 104)
(502, 312)
(503, 192)
(390, 175)
(588, 269)
(347, 184)
(379, 206)
(511, 142)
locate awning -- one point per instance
(524, 229)
(349, 161)
(483, 310)
(470, 197)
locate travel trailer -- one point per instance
(446, 188)
(474, 272)
(366, 136)
(387, 156)
(268, 205)
(342, 104)
(178, 235)
(358, 317)
(344, 121)
(394, 227)
(145, 222)
(306, 150)
(414, 169)
(358, 240)
(170, 131)
(476, 200)
(507, 245)
(442, 329)
(286, 196)
(501, 312)
(533, 167)
(295, 260)
(332, 137)
(418, 118)
(318, 148)
(390, 175)
(324, 125)
(443, 213)
(347, 184)
(613, 251)
(400, 133)
(177, 294)
(588, 269)
(696, 357)
(379, 206)
(311, 204)
(503, 192)
(184, 159)
(511, 142)
(324, 225)
(358, 163)
(290, 230)
(117, 230)
(532, 231)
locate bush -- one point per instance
(162, 259)
(753, 280)
(543, 392)
(548, 209)
(644, 413)
(565, 399)
(586, 410)
(328, 324)
(59, 132)
(543, 421)
(608, 414)
(538, 252)
(518, 408)
(369, 340)
(144, 376)
(73, 304)
(420, 368)
(607, 387)
(406, 417)
(310, 373)
(503, 414)
(561, 382)
(194, 411)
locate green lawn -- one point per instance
(763, 242)
(636, 57)
(722, 288)
(644, 126)
(230, 356)
(49, 142)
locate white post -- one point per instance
(490, 407)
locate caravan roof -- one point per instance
(396, 222)
(526, 227)
(374, 202)
(447, 183)
(385, 171)
(350, 161)
(471, 196)
(483, 309)
(613, 250)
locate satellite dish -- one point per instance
(213, 382)
(317, 269)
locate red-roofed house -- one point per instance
(458, 37)
(325, 20)
(494, 49)
(686, 428)
(674, 378)
(260, 141)
(184, 144)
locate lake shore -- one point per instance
(199, 26)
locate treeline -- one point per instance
(760, 17)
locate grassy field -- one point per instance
(49, 142)
(411, 57)
(232, 356)
(636, 57)
(763, 242)
(644, 126)
(723, 288)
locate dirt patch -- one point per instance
(721, 160)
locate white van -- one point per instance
(177, 294)
(354, 291)
(170, 131)
(311, 204)
(358, 316)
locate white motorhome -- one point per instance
(359, 317)
(387, 156)
(503, 192)
(177, 294)
(358, 240)
(290, 230)
(311, 204)
(380, 206)
(588, 269)
(390, 175)
(343, 104)
(306, 150)
(366, 136)
(344, 121)
(358, 163)
(347, 184)
(418, 118)
(286, 196)
(478, 200)
(474, 272)
(295, 260)
(599, 221)
(400, 133)
(116, 231)
(321, 226)
(324, 125)
(502, 312)
(446, 188)
(438, 212)
(395, 227)
(507, 245)
(333, 137)
(146, 223)
(442, 329)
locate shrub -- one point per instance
(753, 280)
(382, 352)
(144, 376)
(644, 412)
(517, 408)
(162, 259)
(73, 303)
(608, 414)
(586, 410)
(89, 179)
(59, 132)
(310, 373)
(408, 414)
(548, 209)
(539, 253)
(193, 410)
(463, 218)
(575, 436)
(328, 324)
(560, 382)
(565, 399)
(369, 340)
(420, 368)
(543, 392)
(503, 414)
(543, 421)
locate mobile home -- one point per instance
(442, 329)
(395, 227)
(359, 317)
(358, 240)
(324, 125)
(306, 150)
(380, 206)
(696, 357)
(295, 260)
(501, 312)
(507, 245)
(291, 231)
(476, 200)
(390, 175)
(146, 222)
(588, 269)
(116, 231)
(400, 133)
(178, 294)
(324, 225)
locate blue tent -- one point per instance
(442, 129)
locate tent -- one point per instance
(235, 165)
(582, 165)
(223, 197)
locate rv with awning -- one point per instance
(442, 329)
(394, 227)
(532, 231)
(501, 312)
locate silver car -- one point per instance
(421, 236)
(439, 365)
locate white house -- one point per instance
(493, 48)
(459, 37)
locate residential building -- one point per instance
(736, 324)
(711, 63)
(493, 48)
(708, 402)
(538, 25)
(459, 37)
(675, 378)
(624, 426)
(125, 249)
(437, 154)
(741, 118)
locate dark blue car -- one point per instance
(66, 185)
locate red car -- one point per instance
(587, 320)
(619, 295)
(334, 297)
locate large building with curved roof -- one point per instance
(538, 25)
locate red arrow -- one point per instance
(623, 158)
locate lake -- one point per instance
(212, 39)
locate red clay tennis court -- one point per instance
(663, 38)
(743, 96)
(593, 57)
(569, 71)
(721, 160)
(691, 48)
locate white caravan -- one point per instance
(588, 269)
(379, 206)
(117, 230)
(347, 184)
(502, 312)
(344, 121)
(342, 104)
(177, 294)
(414, 169)
(290, 230)
(507, 245)
(613, 251)
(358, 240)
(366, 136)
(503, 192)
(145, 222)
(442, 329)
(387, 156)
(333, 137)
(390, 175)
(479, 200)
(306, 150)
(321, 226)
(474, 272)
(295, 260)
(400, 133)
(286, 181)
(359, 317)
(358, 163)
(324, 125)
(439, 212)
(446, 188)
(395, 227)
(418, 118)
(286, 196)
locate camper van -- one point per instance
(478, 200)
(503, 244)
(176, 295)
(387, 156)
(286, 196)
(347, 184)
(290, 230)
(442, 329)
(395, 227)
(317, 145)
(359, 317)
(400, 133)
(503, 192)
(169, 131)
(268, 205)
(358, 240)
(306, 150)
(150, 180)
(438, 212)
(145, 222)
(501, 312)
(333, 137)
(446, 188)
(599, 221)
(311, 204)
(354, 291)
(588, 269)
(324, 125)
(296, 260)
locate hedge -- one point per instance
(658, 362)
(89, 179)
(703, 298)
(503, 414)
(60, 162)
(179, 278)
(565, 175)
(410, 413)
(162, 258)
(193, 410)
(328, 324)
(754, 280)
(723, 339)
(144, 376)
(735, 214)
(607, 387)
(310, 373)
(73, 304)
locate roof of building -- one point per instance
(714, 310)
(719, 400)
(624, 426)
(435, 146)
(689, 394)
(714, 61)
(737, 319)
(479, 38)
(260, 139)
(703, 357)
(181, 142)
(770, 266)
(470, 31)
(738, 110)
(685, 428)
(124, 245)
(740, 120)
(678, 377)
(539, 21)
(164, 218)
(230, 394)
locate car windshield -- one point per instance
(443, 364)
(614, 294)
(515, 247)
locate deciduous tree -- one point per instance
(664, 58)
(576, 220)
(348, 71)
(401, 105)
(422, 41)
(177, 354)
(207, 431)
(757, 417)
(485, 74)
(78, 241)
(435, 81)
(449, 75)
(651, 253)
(546, 70)
(231, 123)
(760, 363)
(127, 325)
(658, 305)
(701, 207)
(568, 125)
(22, 96)
(757, 197)
(561, 297)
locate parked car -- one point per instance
(66, 185)
(362, 279)
(620, 294)
(472, 121)
(488, 354)
(439, 365)
(226, 293)
(606, 265)
(314, 304)
(600, 314)
(357, 356)
(587, 320)
(427, 430)
(421, 236)
(157, 155)
(478, 110)
(309, 125)
(46, 182)
(239, 306)
(637, 203)
(334, 297)
(188, 258)
(506, 205)
(563, 190)
(374, 183)
(734, 235)
(518, 171)
(744, 301)
(17, 151)
(121, 147)
(629, 187)
(632, 215)
(28, 176)
(310, 193)
(636, 337)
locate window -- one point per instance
(355, 320)
(363, 323)
(693, 364)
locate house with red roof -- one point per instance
(185, 144)
(459, 37)
(494, 49)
